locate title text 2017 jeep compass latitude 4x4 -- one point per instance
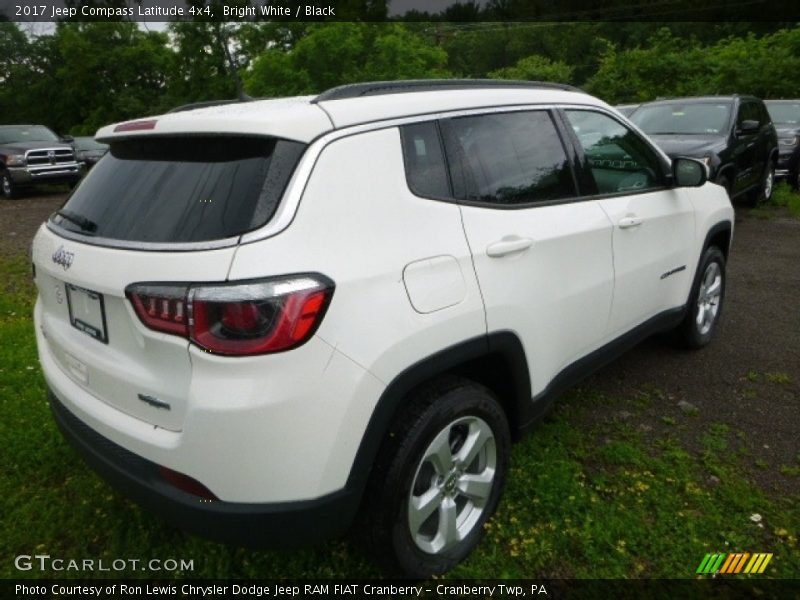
(260, 319)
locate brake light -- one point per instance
(136, 126)
(253, 317)
(162, 308)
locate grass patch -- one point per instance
(790, 471)
(598, 501)
(783, 196)
(779, 378)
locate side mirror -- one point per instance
(748, 126)
(688, 172)
(67, 138)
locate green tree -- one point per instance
(339, 53)
(201, 70)
(107, 71)
(536, 68)
(767, 66)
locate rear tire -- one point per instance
(438, 478)
(705, 301)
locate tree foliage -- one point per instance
(768, 67)
(339, 53)
(536, 68)
(84, 75)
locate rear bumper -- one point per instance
(787, 164)
(283, 524)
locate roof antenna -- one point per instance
(223, 39)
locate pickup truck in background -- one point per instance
(33, 154)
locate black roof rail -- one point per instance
(206, 104)
(378, 88)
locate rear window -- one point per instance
(511, 158)
(189, 189)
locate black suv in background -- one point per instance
(733, 135)
(786, 117)
(32, 154)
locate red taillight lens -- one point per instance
(255, 317)
(162, 308)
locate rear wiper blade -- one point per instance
(81, 221)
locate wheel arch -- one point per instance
(774, 155)
(718, 235)
(727, 170)
(496, 360)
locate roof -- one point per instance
(303, 118)
(688, 99)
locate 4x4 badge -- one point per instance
(63, 258)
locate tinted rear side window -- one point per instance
(509, 158)
(426, 172)
(187, 189)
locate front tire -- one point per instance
(763, 192)
(438, 478)
(705, 301)
(7, 187)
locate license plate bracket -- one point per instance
(87, 312)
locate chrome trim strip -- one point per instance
(44, 173)
(144, 246)
(45, 150)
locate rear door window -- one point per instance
(508, 159)
(182, 189)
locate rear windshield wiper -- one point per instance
(82, 222)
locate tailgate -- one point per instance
(95, 336)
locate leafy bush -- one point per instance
(768, 67)
(338, 53)
(536, 68)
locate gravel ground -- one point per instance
(747, 379)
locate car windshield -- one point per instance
(784, 113)
(87, 143)
(700, 118)
(186, 189)
(26, 133)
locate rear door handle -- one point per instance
(508, 245)
(629, 222)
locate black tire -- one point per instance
(763, 192)
(7, 187)
(698, 329)
(449, 410)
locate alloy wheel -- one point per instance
(452, 485)
(708, 298)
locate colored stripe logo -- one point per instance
(729, 564)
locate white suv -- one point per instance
(262, 319)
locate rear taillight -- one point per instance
(253, 317)
(161, 307)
